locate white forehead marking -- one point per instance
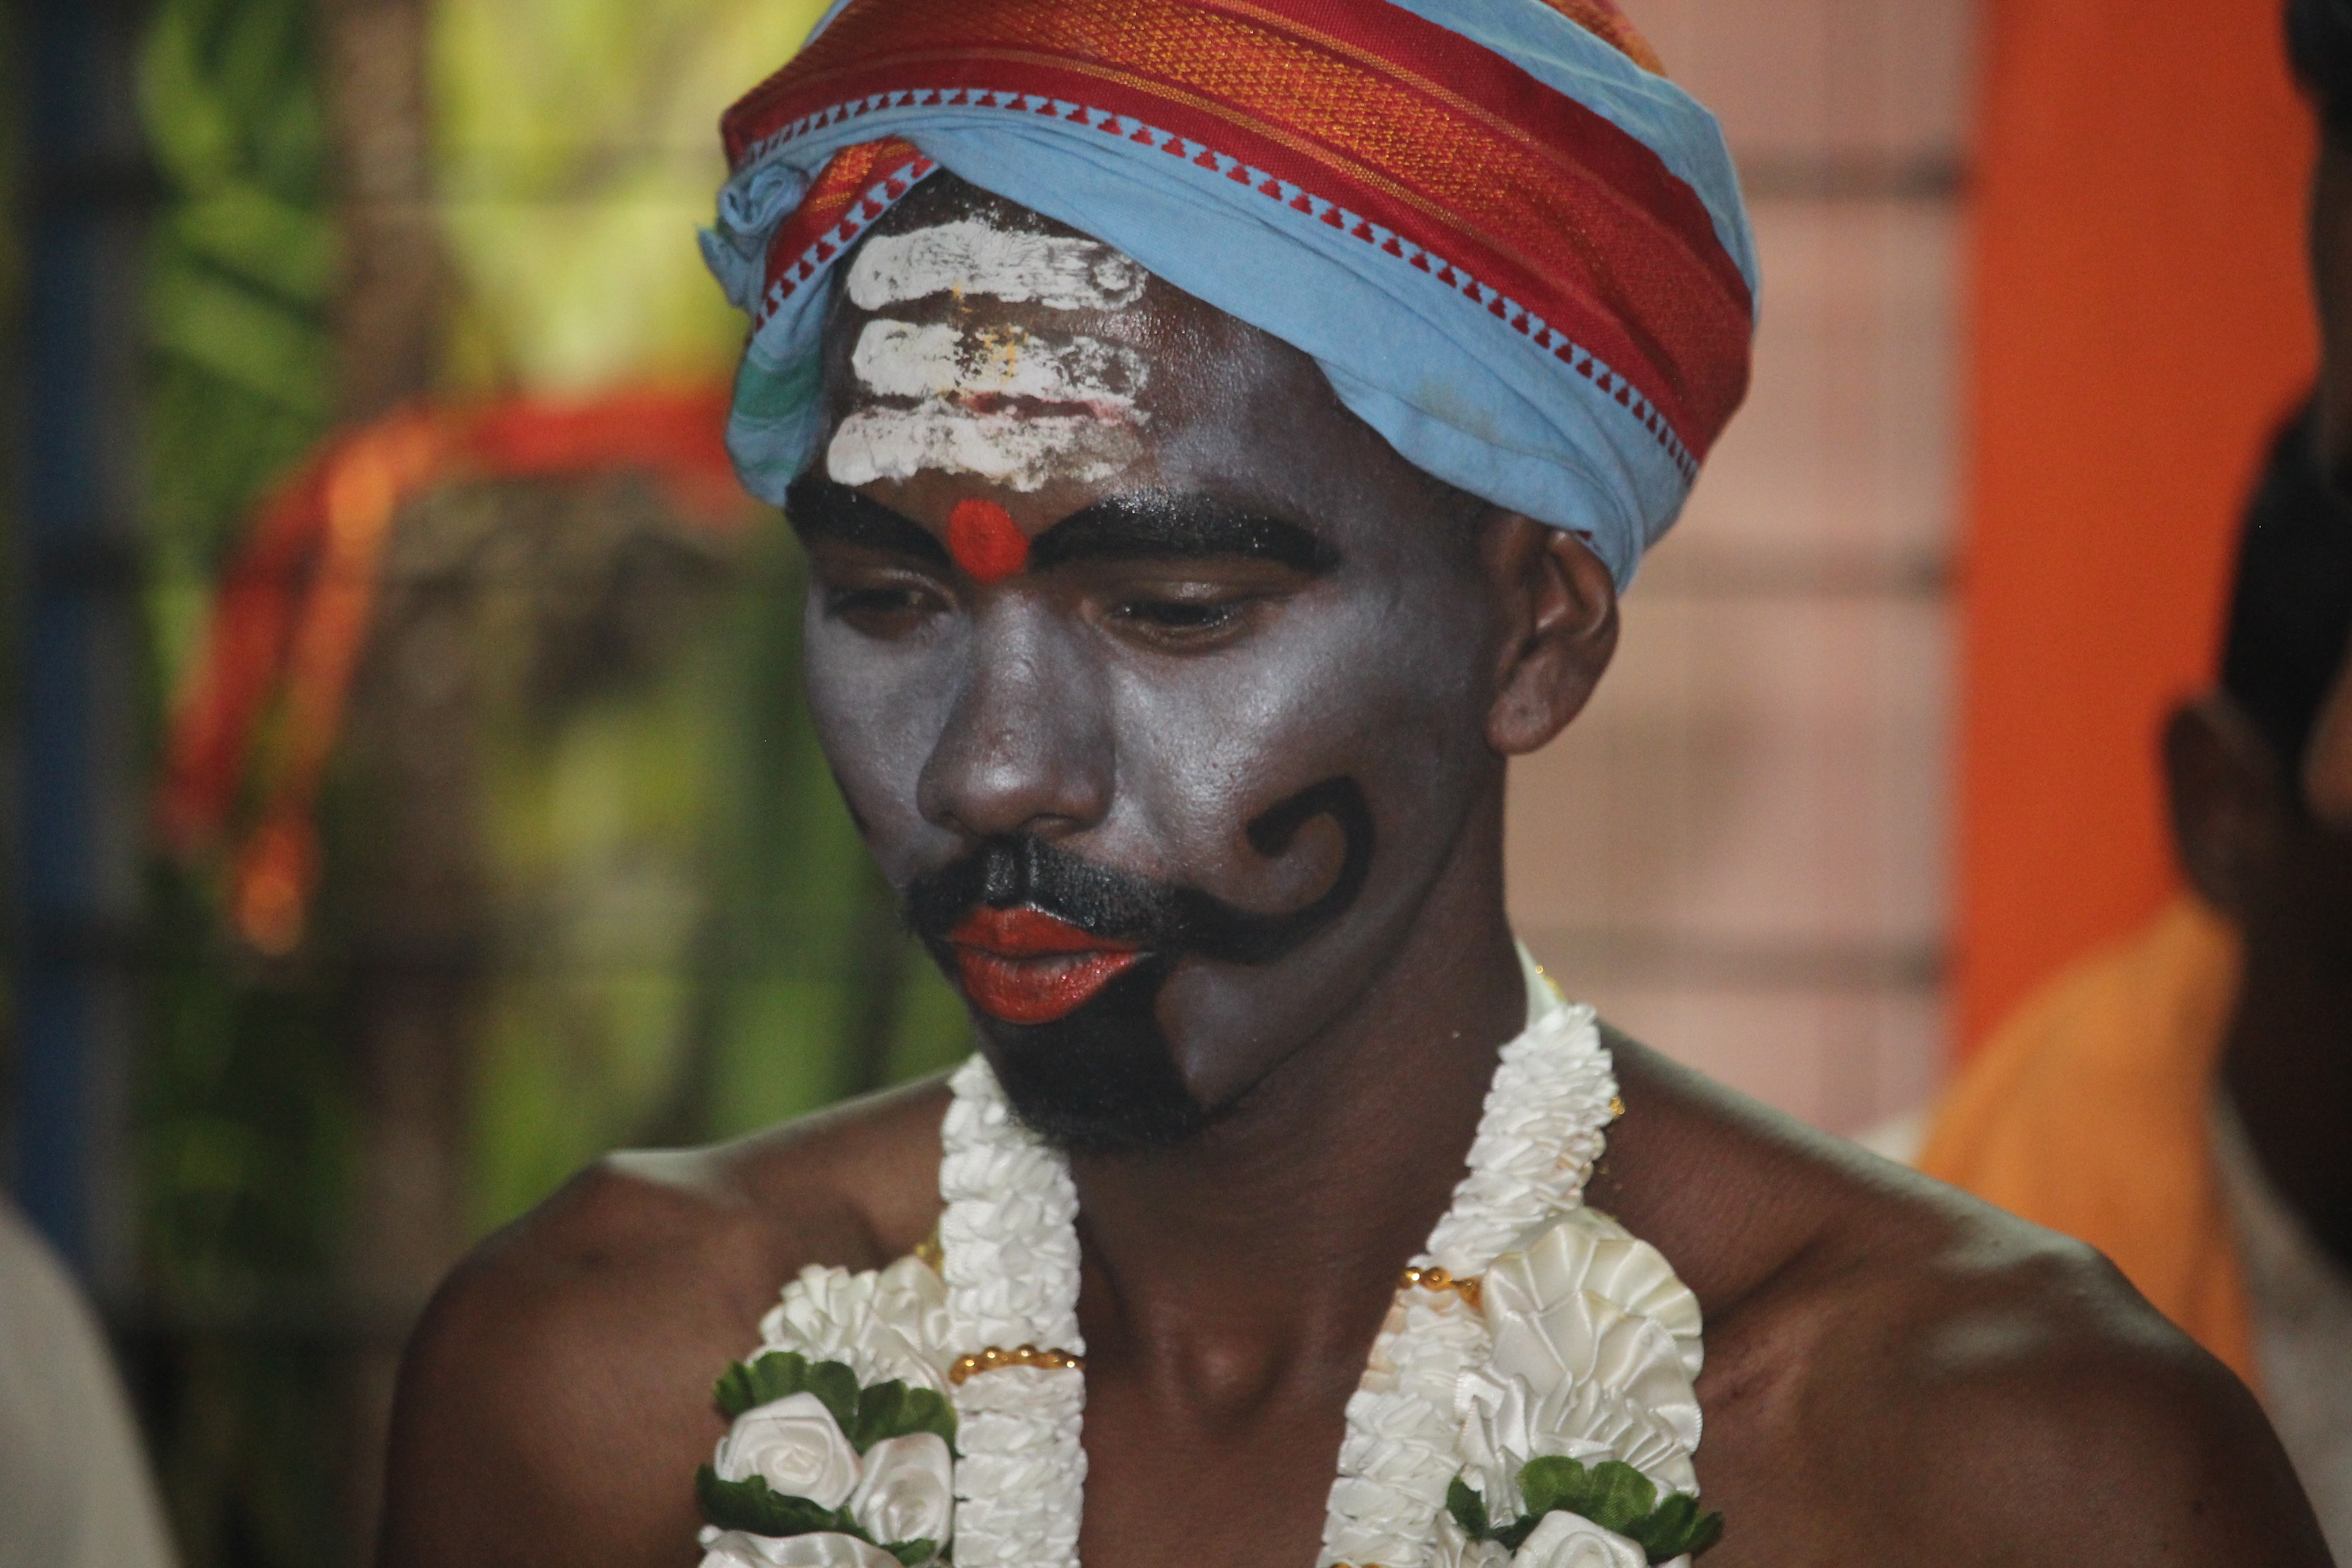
(1019, 453)
(899, 359)
(973, 256)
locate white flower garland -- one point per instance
(1537, 1140)
(1575, 1339)
(1010, 1245)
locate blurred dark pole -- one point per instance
(412, 982)
(77, 817)
(387, 323)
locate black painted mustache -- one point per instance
(1014, 870)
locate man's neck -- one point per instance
(1257, 1259)
(2288, 1065)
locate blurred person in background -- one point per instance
(2182, 1100)
(75, 1492)
(1197, 526)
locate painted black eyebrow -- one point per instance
(821, 509)
(1173, 524)
(1144, 526)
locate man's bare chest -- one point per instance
(1165, 1489)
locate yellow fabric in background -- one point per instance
(2088, 1113)
(576, 147)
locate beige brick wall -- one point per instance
(1739, 852)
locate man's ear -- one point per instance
(2230, 809)
(1559, 628)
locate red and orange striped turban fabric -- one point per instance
(1515, 248)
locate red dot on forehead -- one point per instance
(985, 541)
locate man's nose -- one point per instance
(1026, 748)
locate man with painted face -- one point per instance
(1219, 429)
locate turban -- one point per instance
(1515, 252)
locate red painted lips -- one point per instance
(1026, 967)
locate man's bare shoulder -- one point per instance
(558, 1388)
(1897, 1371)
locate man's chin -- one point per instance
(1101, 1081)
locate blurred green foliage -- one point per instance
(242, 274)
(240, 370)
(247, 1109)
(576, 146)
(679, 936)
(246, 1172)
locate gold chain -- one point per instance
(1438, 1280)
(994, 1360)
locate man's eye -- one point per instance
(1182, 621)
(1179, 616)
(877, 608)
(849, 601)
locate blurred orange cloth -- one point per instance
(2088, 1113)
(2139, 303)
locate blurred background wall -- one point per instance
(1878, 753)
(1741, 852)
(408, 795)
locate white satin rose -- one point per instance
(907, 1492)
(1452, 1549)
(818, 1549)
(794, 1446)
(1595, 1346)
(884, 1324)
(1566, 1540)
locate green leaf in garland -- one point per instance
(1623, 1495)
(1556, 1482)
(746, 1386)
(759, 1508)
(1675, 1527)
(1467, 1507)
(1706, 1533)
(733, 1393)
(1665, 1526)
(838, 1387)
(887, 1410)
(914, 1554)
(1695, 1536)
(778, 1375)
(1616, 1497)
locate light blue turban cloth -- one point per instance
(1518, 253)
